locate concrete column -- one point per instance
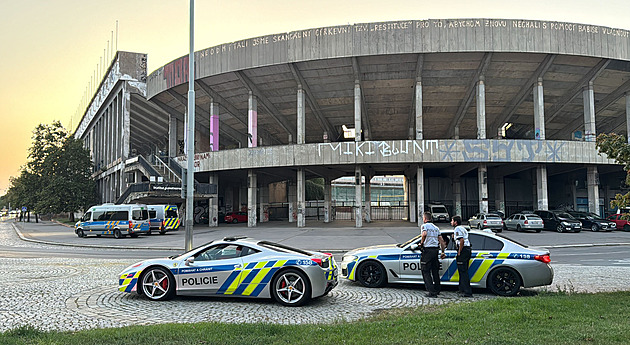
(541, 188)
(481, 108)
(292, 200)
(482, 178)
(368, 199)
(592, 178)
(301, 198)
(457, 197)
(301, 116)
(539, 111)
(125, 103)
(499, 194)
(413, 211)
(420, 194)
(628, 116)
(252, 121)
(589, 113)
(456, 132)
(327, 199)
(358, 196)
(214, 126)
(357, 111)
(419, 109)
(264, 203)
(252, 186)
(172, 136)
(229, 199)
(213, 203)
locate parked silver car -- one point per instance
(486, 221)
(523, 222)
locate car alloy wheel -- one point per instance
(518, 228)
(504, 281)
(371, 274)
(479, 226)
(80, 233)
(626, 227)
(157, 284)
(117, 234)
(594, 228)
(291, 288)
(234, 220)
(559, 228)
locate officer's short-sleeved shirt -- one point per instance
(432, 235)
(461, 232)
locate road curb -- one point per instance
(24, 238)
(333, 251)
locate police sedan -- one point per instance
(235, 266)
(499, 264)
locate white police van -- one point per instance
(163, 218)
(116, 220)
(439, 212)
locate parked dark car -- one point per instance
(560, 221)
(592, 221)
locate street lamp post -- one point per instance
(190, 155)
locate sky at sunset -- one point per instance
(50, 49)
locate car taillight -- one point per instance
(525, 222)
(485, 222)
(130, 225)
(543, 258)
(163, 222)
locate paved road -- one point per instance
(56, 287)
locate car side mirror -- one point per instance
(190, 261)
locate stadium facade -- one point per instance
(477, 114)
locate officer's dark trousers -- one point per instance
(462, 270)
(430, 269)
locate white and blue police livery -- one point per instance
(235, 267)
(116, 220)
(496, 263)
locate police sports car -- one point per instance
(499, 264)
(235, 266)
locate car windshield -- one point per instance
(439, 209)
(564, 215)
(530, 217)
(400, 245)
(594, 216)
(192, 250)
(492, 216)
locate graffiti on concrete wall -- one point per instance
(466, 150)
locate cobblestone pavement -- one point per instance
(75, 294)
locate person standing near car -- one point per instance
(460, 235)
(431, 241)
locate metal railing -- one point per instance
(172, 175)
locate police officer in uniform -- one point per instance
(463, 256)
(431, 241)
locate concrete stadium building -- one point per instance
(477, 114)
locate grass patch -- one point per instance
(548, 318)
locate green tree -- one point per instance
(67, 181)
(57, 175)
(616, 147)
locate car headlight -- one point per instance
(565, 223)
(612, 225)
(348, 258)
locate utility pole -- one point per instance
(190, 155)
